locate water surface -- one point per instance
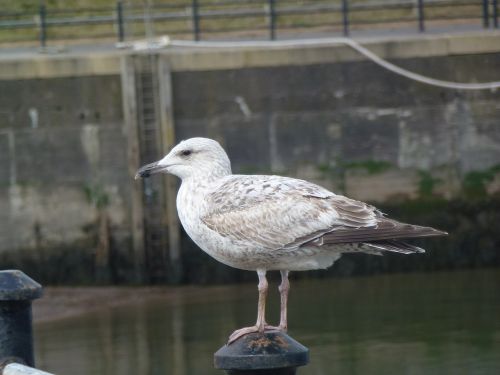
(443, 323)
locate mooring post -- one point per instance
(17, 291)
(268, 353)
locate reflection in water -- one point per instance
(446, 323)
(178, 339)
(141, 344)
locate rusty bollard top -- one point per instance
(16, 286)
(269, 350)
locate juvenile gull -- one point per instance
(264, 223)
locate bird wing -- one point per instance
(273, 212)
(385, 229)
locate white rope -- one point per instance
(354, 45)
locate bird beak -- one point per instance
(149, 169)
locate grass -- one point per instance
(313, 15)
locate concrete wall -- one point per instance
(59, 137)
(319, 112)
(314, 119)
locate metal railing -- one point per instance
(199, 19)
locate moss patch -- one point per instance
(427, 183)
(372, 167)
(474, 183)
(96, 196)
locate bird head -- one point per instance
(200, 157)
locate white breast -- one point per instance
(191, 206)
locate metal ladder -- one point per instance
(155, 229)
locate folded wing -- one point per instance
(272, 212)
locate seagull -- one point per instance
(271, 223)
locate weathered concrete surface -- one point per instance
(319, 112)
(58, 138)
(293, 119)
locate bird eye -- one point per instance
(186, 152)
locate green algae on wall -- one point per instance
(474, 183)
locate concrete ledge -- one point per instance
(328, 50)
(43, 66)
(305, 52)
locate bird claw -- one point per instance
(276, 328)
(254, 329)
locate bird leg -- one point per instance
(261, 309)
(260, 325)
(284, 288)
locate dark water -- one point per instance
(445, 323)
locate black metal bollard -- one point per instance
(268, 353)
(17, 291)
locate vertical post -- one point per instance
(486, 14)
(196, 19)
(272, 19)
(345, 17)
(43, 25)
(148, 20)
(119, 21)
(131, 128)
(421, 16)
(495, 13)
(167, 131)
(17, 291)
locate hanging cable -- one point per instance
(354, 45)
